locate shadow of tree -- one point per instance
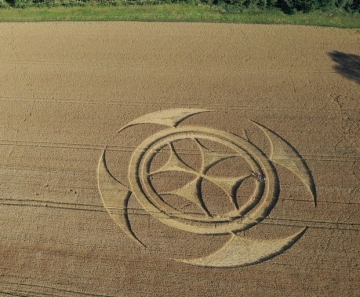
(347, 65)
(10, 2)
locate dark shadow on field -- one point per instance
(348, 65)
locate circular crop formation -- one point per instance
(256, 208)
(238, 251)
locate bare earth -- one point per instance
(171, 208)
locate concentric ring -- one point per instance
(252, 213)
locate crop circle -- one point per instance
(251, 213)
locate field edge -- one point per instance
(176, 13)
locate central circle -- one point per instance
(248, 215)
(199, 176)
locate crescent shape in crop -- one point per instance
(238, 251)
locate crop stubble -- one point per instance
(67, 88)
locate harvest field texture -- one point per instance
(179, 159)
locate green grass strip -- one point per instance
(176, 13)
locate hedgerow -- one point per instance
(288, 6)
(3, 4)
